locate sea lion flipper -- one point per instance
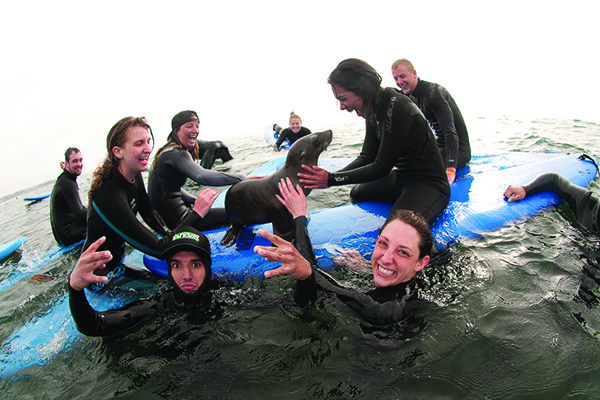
(230, 236)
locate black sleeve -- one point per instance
(306, 290)
(440, 107)
(185, 165)
(282, 136)
(551, 181)
(71, 196)
(93, 323)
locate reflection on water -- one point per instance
(514, 314)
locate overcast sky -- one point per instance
(70, 70)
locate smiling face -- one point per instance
(350, 101)
(187, 271)
(75, 163)
(134, 154)
(405, 79)
(188, 133)
(396, 255)
(295, 124)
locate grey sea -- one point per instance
(515, 314)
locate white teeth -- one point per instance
(385, 271)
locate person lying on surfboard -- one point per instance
(402, 249)
(581, 200)
(293, 133)
(189, 261)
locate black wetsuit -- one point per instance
(209, 151)
(443, 114)
(380, 306)
(173, 167)
(582, 202)
(399, 161)
(67, 214)
(291, 136)
(113, 214)
(94, 323)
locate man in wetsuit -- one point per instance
(67, 213)
(441, 111)
(188, 257)
(581, 200)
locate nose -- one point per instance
(388, 256)
(187, 273)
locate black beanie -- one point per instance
(183, 117)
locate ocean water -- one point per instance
(515, 314)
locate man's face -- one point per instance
(187, 271)
(75, 164)
(406, 81)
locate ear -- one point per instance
(422, 263)
(117, 152)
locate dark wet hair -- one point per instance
(416, 221)
(70, 151)
(357, 77)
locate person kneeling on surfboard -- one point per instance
(189, 261)
(581, 200)
(402, 249)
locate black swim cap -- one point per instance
(183, 117)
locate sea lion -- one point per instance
(253, 201)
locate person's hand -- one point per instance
(204, 201)
(315, 178)
(353, 260)
(515, 193)
(292, 262)
(292, 198)
(451, 174)
(276, 148)
(90, 260)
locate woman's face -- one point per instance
(350, 101)
(188, 133)
(295, 124)
(134, 154)
(396, 255)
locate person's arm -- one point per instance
(89, 321)
(185, 165)
(440, 107)
(281, 138)
(71, 196)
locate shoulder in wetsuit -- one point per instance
(94, 323)
(380, 306)
(291, 136)
(67, 213)
(113, 214)
(443, 114)
(582, 202)
(173, 167)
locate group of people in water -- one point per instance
(401, 161)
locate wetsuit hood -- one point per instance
(187, 238)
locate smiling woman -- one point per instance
(174, 163)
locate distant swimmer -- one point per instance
(399, 162)
(173, 164)
(189, 262)
(293, 133)
(582, 201)
(441, 111)
(67, 213)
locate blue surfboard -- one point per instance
(7, 248)
(40, 197)
(476, 206)
(271, 136)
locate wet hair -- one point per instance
(117, 136)
(357, 77)
(416, 221)
(294, 115)
(173, 140)
(403, 61)
(70, 151)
